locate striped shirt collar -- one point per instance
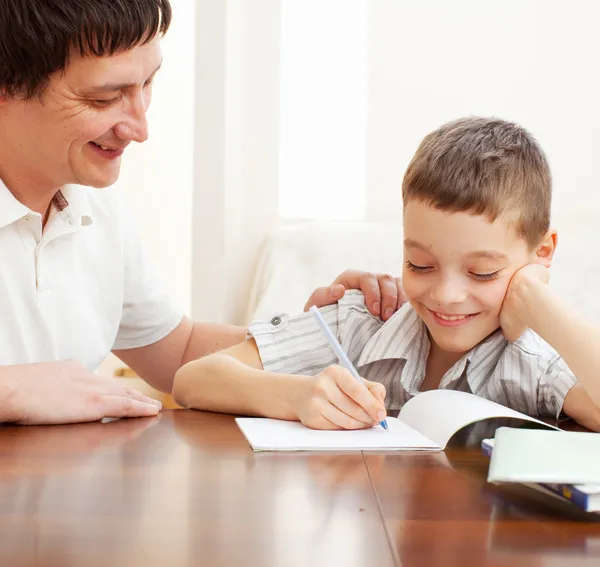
(405, 337)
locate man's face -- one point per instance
(457, 267)
(87, 115)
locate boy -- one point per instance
(477, 198)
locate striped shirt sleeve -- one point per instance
(554, 385)
(296, 345)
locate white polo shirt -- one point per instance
(80, 288)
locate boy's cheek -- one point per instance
(497, 293)
(412, 288)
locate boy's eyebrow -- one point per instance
(410, 243)
(109, 87)
(488, 254)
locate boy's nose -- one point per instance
(449, 292)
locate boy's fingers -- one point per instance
(377, 389)
(359, 393)
(348, 406)
(341, 419)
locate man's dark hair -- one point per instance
(37, 36)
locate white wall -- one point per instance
(536, 62)
(157, 176)
(236, 137)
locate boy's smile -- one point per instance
(457, 267)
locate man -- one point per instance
(75, 84)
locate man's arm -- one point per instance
(531, 302)
(158, 362)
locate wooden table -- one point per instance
(186, 489)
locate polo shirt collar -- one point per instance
(73, 200)
(11, 209)
(76, 203)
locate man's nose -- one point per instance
(135, 125)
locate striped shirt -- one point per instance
(526, 375)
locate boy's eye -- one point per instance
(415, 268)
(486, 277)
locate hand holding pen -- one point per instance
(341, 397)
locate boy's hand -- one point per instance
(334, 399)
(383, 293)
(513, 316)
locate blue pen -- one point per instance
(339, 351)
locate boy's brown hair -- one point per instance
(485, 166)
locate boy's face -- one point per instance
(457, 267)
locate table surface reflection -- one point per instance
(186, 489)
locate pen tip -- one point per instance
(384, 425)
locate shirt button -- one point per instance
(276, 321)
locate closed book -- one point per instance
(585, 496)
(554, 457)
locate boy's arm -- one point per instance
(531, 302)
(233, 381)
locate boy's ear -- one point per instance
(545, 250)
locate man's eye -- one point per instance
(103, 103)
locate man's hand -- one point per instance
(66, 392)
(383, 293)
(333, 399)
(514, 313)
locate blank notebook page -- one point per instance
(276, 435)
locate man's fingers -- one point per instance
(402, 299)
(137, 395)
(389, 295)
(323, 296)
(124, 406)
(365, 282)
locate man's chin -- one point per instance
(99, 181)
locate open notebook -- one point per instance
(426, 423)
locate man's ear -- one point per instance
(545, 250)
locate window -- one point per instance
(323, 120)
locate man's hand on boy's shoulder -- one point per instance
(514, 315)
(383, 293)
